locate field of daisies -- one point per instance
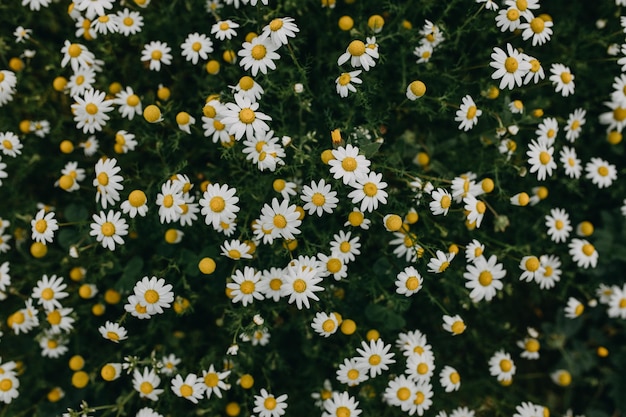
(333, 208)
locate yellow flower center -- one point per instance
(603, 171)
(455, 378)
(566, 77)
(403, 393)
(113, 336)
(374, 360)
(218, 125)
(532, 264)
(412, 283)
(168, 201)
(140, 309)
(186, 390)
(471, 112)
(422, 368)
(234, 254)
(52, 344)
(211, 380)
(534, 65)
(246, 83)
(532, 345)
(196, 46)
(444, 265)
(224, 26)
(485, 278)
(575, 125)
(247, 287)
(544, 157)
(511, 64)
(41, 226)
(342, 411)
(356, 48)
(103, 19)
(280, 221)
(91, 108)
(353, 374)
(328, 325)
(344, 247)
(344, 79)
(419, 398)
(80, 80)
(156, 55)
(128, 21)
(318, 199)
(299, 285)
(108, 229)
(521, 4)
(246, 116)
(74, 50)
(108, 372)
(565, 378)
(551, 133)
(6, 384)
(276, 24)
(588, 249)
(276, 283)
(537, 25)
(506, 365)
(47, 294)
(548, 272)
(132, 100)
(349, 164)
(458, 327)
(370, 189)
(619, 114)
(151, 296)
(137, 198)
(258, 52)
(333, 265)
(481, 207)
(579, 309)
(512, 15)
(54, 317)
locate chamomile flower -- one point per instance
(281, 218)
(375, 356)
(113, 332)
(332, 265)
(8, 80)
(146, 383)
(449, 379)
(325, 324)
(484, 278)
(369, 191)
(531, 268)
(510, 67)
(136, 309)
(90, 111)
(156, 53)
(400, 392)
(53, 345)
(236, 250)
(108, 228)
(214, 382)
(562, 79)
(104, 24)
(468, 114)
(147, 412)
(22, 34)
(359, 55)
(268, 405)
(502, 366)
(90, 146)
(8, 387)
(536, 72)
(351, 372)
(475, 208)
(420, 366)
(421, 400)
(169, 201)
(575, 121)
(287, 189)
(538, 29)
(93, 8)
(5, 278)
(574, 308)
(413, 343)
(348, 165)
(441, 201)
(344, 82)
(440, 262)
(571, 163)
(77, 55)
(432, 34)
(258, 55)
(49, 291)
(530, 348)
(107, 181)
(191, 388)
(474, 250)
(154, 294)
(561, 377)
(129, 103)
(340, 405)
(319, 198)
(408, 282)
(243, 118)
(245, 287)
(453, 324)
(170, 363)
(272, 282)
(540, 159)
(129, 22)
(10, 144)
(583, 253)
(43, 227)
(224, 29)
(558, 224)
(219, 204)
(196, 46)
(60, 320)
(135, 204)
(423, 52)
(345, 246)
(248, 88)
(617, 303)
(300, 285)
(508, 19)
(616, 118)
(280, 29)
(81, 81)
(600, 172)
(547, 130)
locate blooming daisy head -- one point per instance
(600, 172)
(502, 366)
(359, 55)
(468, 114)
(484, 278)
(562, 79)
(156, 53)
(113, 332)
(583, 253)
(510, 66)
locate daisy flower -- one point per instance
(453, 324)
(535, 73)
(600, 172)
(412, 343)
(345, 246)
(129, 103)
(267, 405)
(147, 412)
(440, 262)
(540, 158)
(570, 161)
(191, 388)
(562, 79)
(243, 117)
(420, 366)
(248, 88)
(421, 400)
(617, 303)
(53, 345)
(107, 182)
(146, 383)
(8, 80)
(359, 55)
(236, 250)
(258, 55)
(332, 265)
(124, 142)
(530, 348)
(341, 405)
(196, 46)
(300, 285)
(574, 308)
(344, 82)
(22, 34)
(136, 309)
(49, 291)
(441, 202)
(5, 278)
(508, 19)
(348, 165)
(129, 22)
(406, 246)
(375, 357)
(561, 377)
(449, 379)
(93, 8)
(408, 282)
(558, 224)
(501, 366)
(616, 118)
(8, 387)
(279, 29)
(468, 114)
(484, 278)
(154, 294)
(246, 287)
(583, 253)
(325, 324)
(104, 24)
(423, 53)
(369, 191)
(272, 283)
(575, 121)
(531, 268)
(319, 198)
(156, 53)
(113, 332)
(282, 218)
(538, 29)
(510, 67)
(170, 362)
(90, 111)
(285, 188)
(224, 29)
(77, 55)
(81, 81)
(547, 130)
(474, 250)
(60, 320)
(169, 201)
(475, 208)
(219, 204)
(400, 392)
(108, 228)
(43, 227)
(431, 34)
(135, 204)
(90, 146)
(10, 144)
